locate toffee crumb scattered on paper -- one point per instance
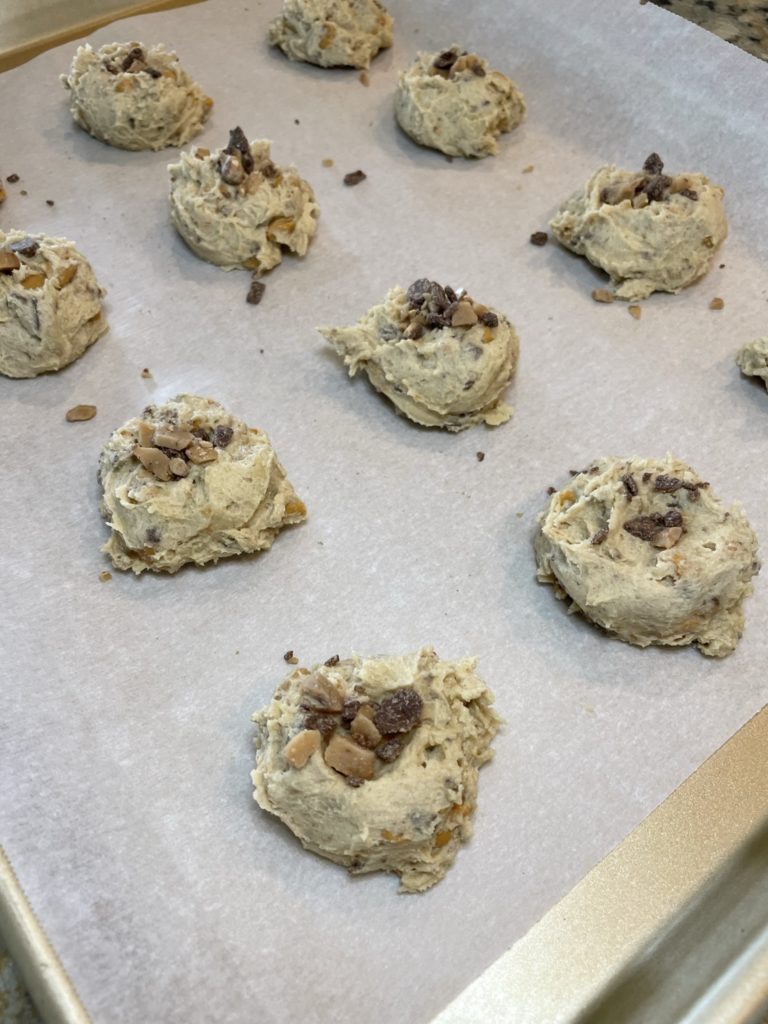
(354, 177)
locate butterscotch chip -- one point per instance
(80, 412)
(364, 731)
(8, 261)
(157, 462)
(635, 311)
(105, 575)
(602, 295)
(169, 437)
(303, 745)
(717, 304)
(364, 78)
(320, 693)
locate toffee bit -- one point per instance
(49, 202)
(221, 436)
(12, 178)
(631, 485)
(602, 295)
(327, 162)
(445, 60)
(551, 490)
(653, 164)
(291, 658)
(599, 537)
(480, 456)
(539, 238)
(25, 247)
(255, 293)
(333, 660)
(78, 413)
(399, 712)
(635, 311)
(364, 78)
(146, 373)
(488, 318)
(717, 303)
(528, 169)
(354, 177)
(647, 477)
(104, 576)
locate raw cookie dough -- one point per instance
(188, 482)
(135, 97)
(50, 304)
(373, 762)
(753, 359)
(235, 208)
(644, 548)
(441, 358)
(648, 231)
(332, 33)
(453, 102)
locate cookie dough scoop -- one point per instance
(189, 482)
(134, 96)
(50, 304)
(643, 548)
(373, 762)
(441, 358)
(649, 231)
(453, 101)
(235, 208)
(332, 33)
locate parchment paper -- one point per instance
(126, 740)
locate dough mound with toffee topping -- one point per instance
(188, 482)
(135, 97)
(235, 208)
(454, 102)
(753, 359)
(50, 304)
(332, 33)
(644, 548)
(648, 231)
(441, 358)
(373, 762)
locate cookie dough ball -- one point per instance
(135, 97)
(188, 482)
(373, 762)
(441, 358)
(453, 101)
(648, 231)
(235, 208)
(644, 548)
(50, 304)
(753, 359)
(332, 33)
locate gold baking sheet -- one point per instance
(132, 830)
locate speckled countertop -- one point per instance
(744, 22)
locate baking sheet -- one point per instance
(126, 742)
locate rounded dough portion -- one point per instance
(332, 33)
(753, 359)
(189, 482)
(430, 726)
(442, 359)
(50, 304)
(236, 209)
(644, 548)
(453, 101)
(648, 231)
(135, 97)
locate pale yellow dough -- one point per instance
(414, 814)
(753, 359)
(152, 105)
(460, 109)
(645, 246)
(666, 565)
(50, 304)
(332, 33)
(246, 225)
(234, 504)
(448, 376)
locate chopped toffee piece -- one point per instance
(321, 695)
(399, 712)
(364, 731)
(25, 247)
(291, 658)
(689, 193)
(105, 575)
(333, 660)
(49, 202)
(602, 295)
(348, 758)
(717, 303)
(445, 60)
(9, 261)
(221, 436)
(12, 178)
(255, 292)
(635, 311)
(480, 456)
(354, 177)
(599, 537)
(303, 745)
(539, 238)
(146, 372)
(631, 485)
(653, 164)
(80, 412)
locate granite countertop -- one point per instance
(743, 22)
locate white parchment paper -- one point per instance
(126, 740)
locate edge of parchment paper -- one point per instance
(671, 926)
